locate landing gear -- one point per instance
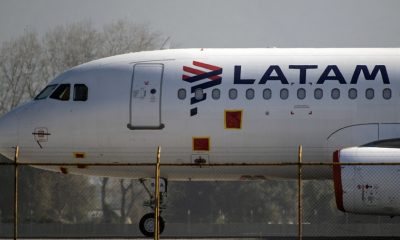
(146, 224)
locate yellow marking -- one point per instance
(199, 138)
(241, 118)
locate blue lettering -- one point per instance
(337, 75)
(279, 75)
(303, 70)
(370, 76)
(237, 78)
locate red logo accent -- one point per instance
(207, 72)
(198, 72)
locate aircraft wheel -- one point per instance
(146, 225)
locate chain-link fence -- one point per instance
(62, 205)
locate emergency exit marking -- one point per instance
(201, 144)
(233, 119)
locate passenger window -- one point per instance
(232, 93)
(80, 92)
(62, 92)
(46, 92)
(284, 94)
(267, 94)
(318, 93)
(301, 93)
(352, 93)
(216, 94)
(335, 94)
(250, 93)
(198, 94)
(387, 93)
(369, 93)
(181, 94)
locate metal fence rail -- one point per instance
(302, 225)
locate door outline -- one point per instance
(132, 126)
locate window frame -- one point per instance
(214, 91)
(349, 95)
(199, 94)
(315, 93)
(75, 90)
(250, 90)
(389, 90)
(59, 92)
(334, 90)
(284, 90)
(270, 93)
(181, 90)
(302, 90)
(231, 91)
(369, 90)
(53, 86)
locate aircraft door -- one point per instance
(145, 102)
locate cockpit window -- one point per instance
(46, 92)
(62, 92)
(80, 92)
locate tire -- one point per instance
(146, 225)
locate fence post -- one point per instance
(157, 198)
(299, 194)
(16, 155)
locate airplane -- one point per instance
(219, 114)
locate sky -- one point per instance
(223, 23)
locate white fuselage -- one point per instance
(133, 107)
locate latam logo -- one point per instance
(202, 77)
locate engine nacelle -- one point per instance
(367, 189)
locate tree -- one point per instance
(123, 195)
(19, 64)
(67, 46)
(126, 205)
(253, 201)
(123, 37)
